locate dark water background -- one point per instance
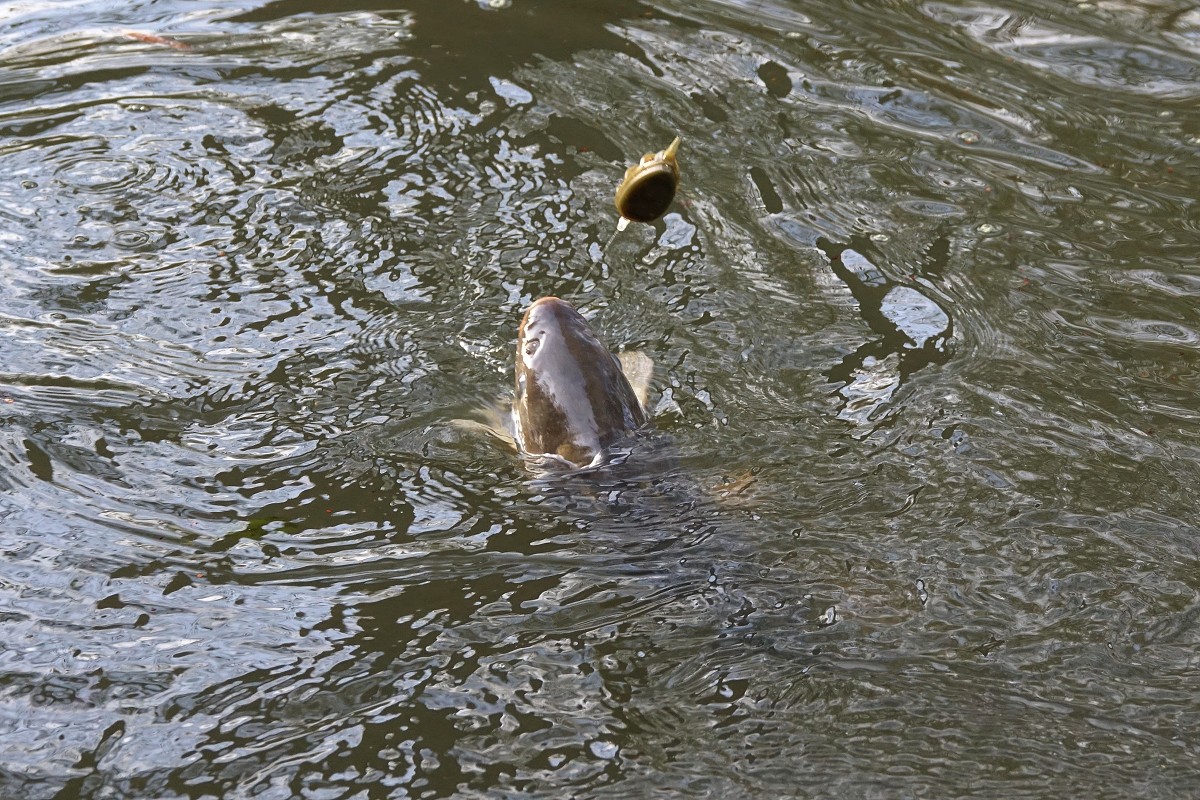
(931, 283)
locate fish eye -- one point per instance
(531, 346)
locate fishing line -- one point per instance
(622, 224)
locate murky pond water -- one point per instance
(918, 514)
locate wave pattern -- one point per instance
(916, 515)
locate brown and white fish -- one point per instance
(575, 402)
(153, 38)
(573, 399)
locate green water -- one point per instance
(926, 299)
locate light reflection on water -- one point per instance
(915, 519)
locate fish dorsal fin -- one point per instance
(639, 370)
(494, 419)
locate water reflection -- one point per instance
(929, 281)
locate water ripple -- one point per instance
(920, 478)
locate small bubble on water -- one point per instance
(880, 237)
(499, 3)
(969, 137)
(131, 239)
(28, 184)
(1166, 114)
(605, 750)
(988, 227)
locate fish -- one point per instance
(573, 400)
(578, 409)
(152, 38)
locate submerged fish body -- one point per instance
(573, 399)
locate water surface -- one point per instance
(924, 319)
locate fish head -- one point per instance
(572, 398)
